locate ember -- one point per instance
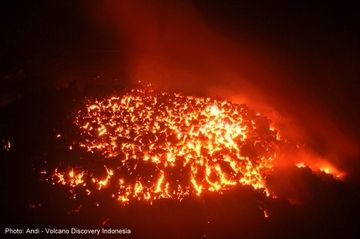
(166, 145)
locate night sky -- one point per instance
(301, 60)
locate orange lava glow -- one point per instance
(323, 167)
(156, 145)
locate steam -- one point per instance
(170, 45)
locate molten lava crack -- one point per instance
(166, 145)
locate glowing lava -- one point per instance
(323, 167)
(156, 145)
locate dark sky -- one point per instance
(56, 53)
(317, 42)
